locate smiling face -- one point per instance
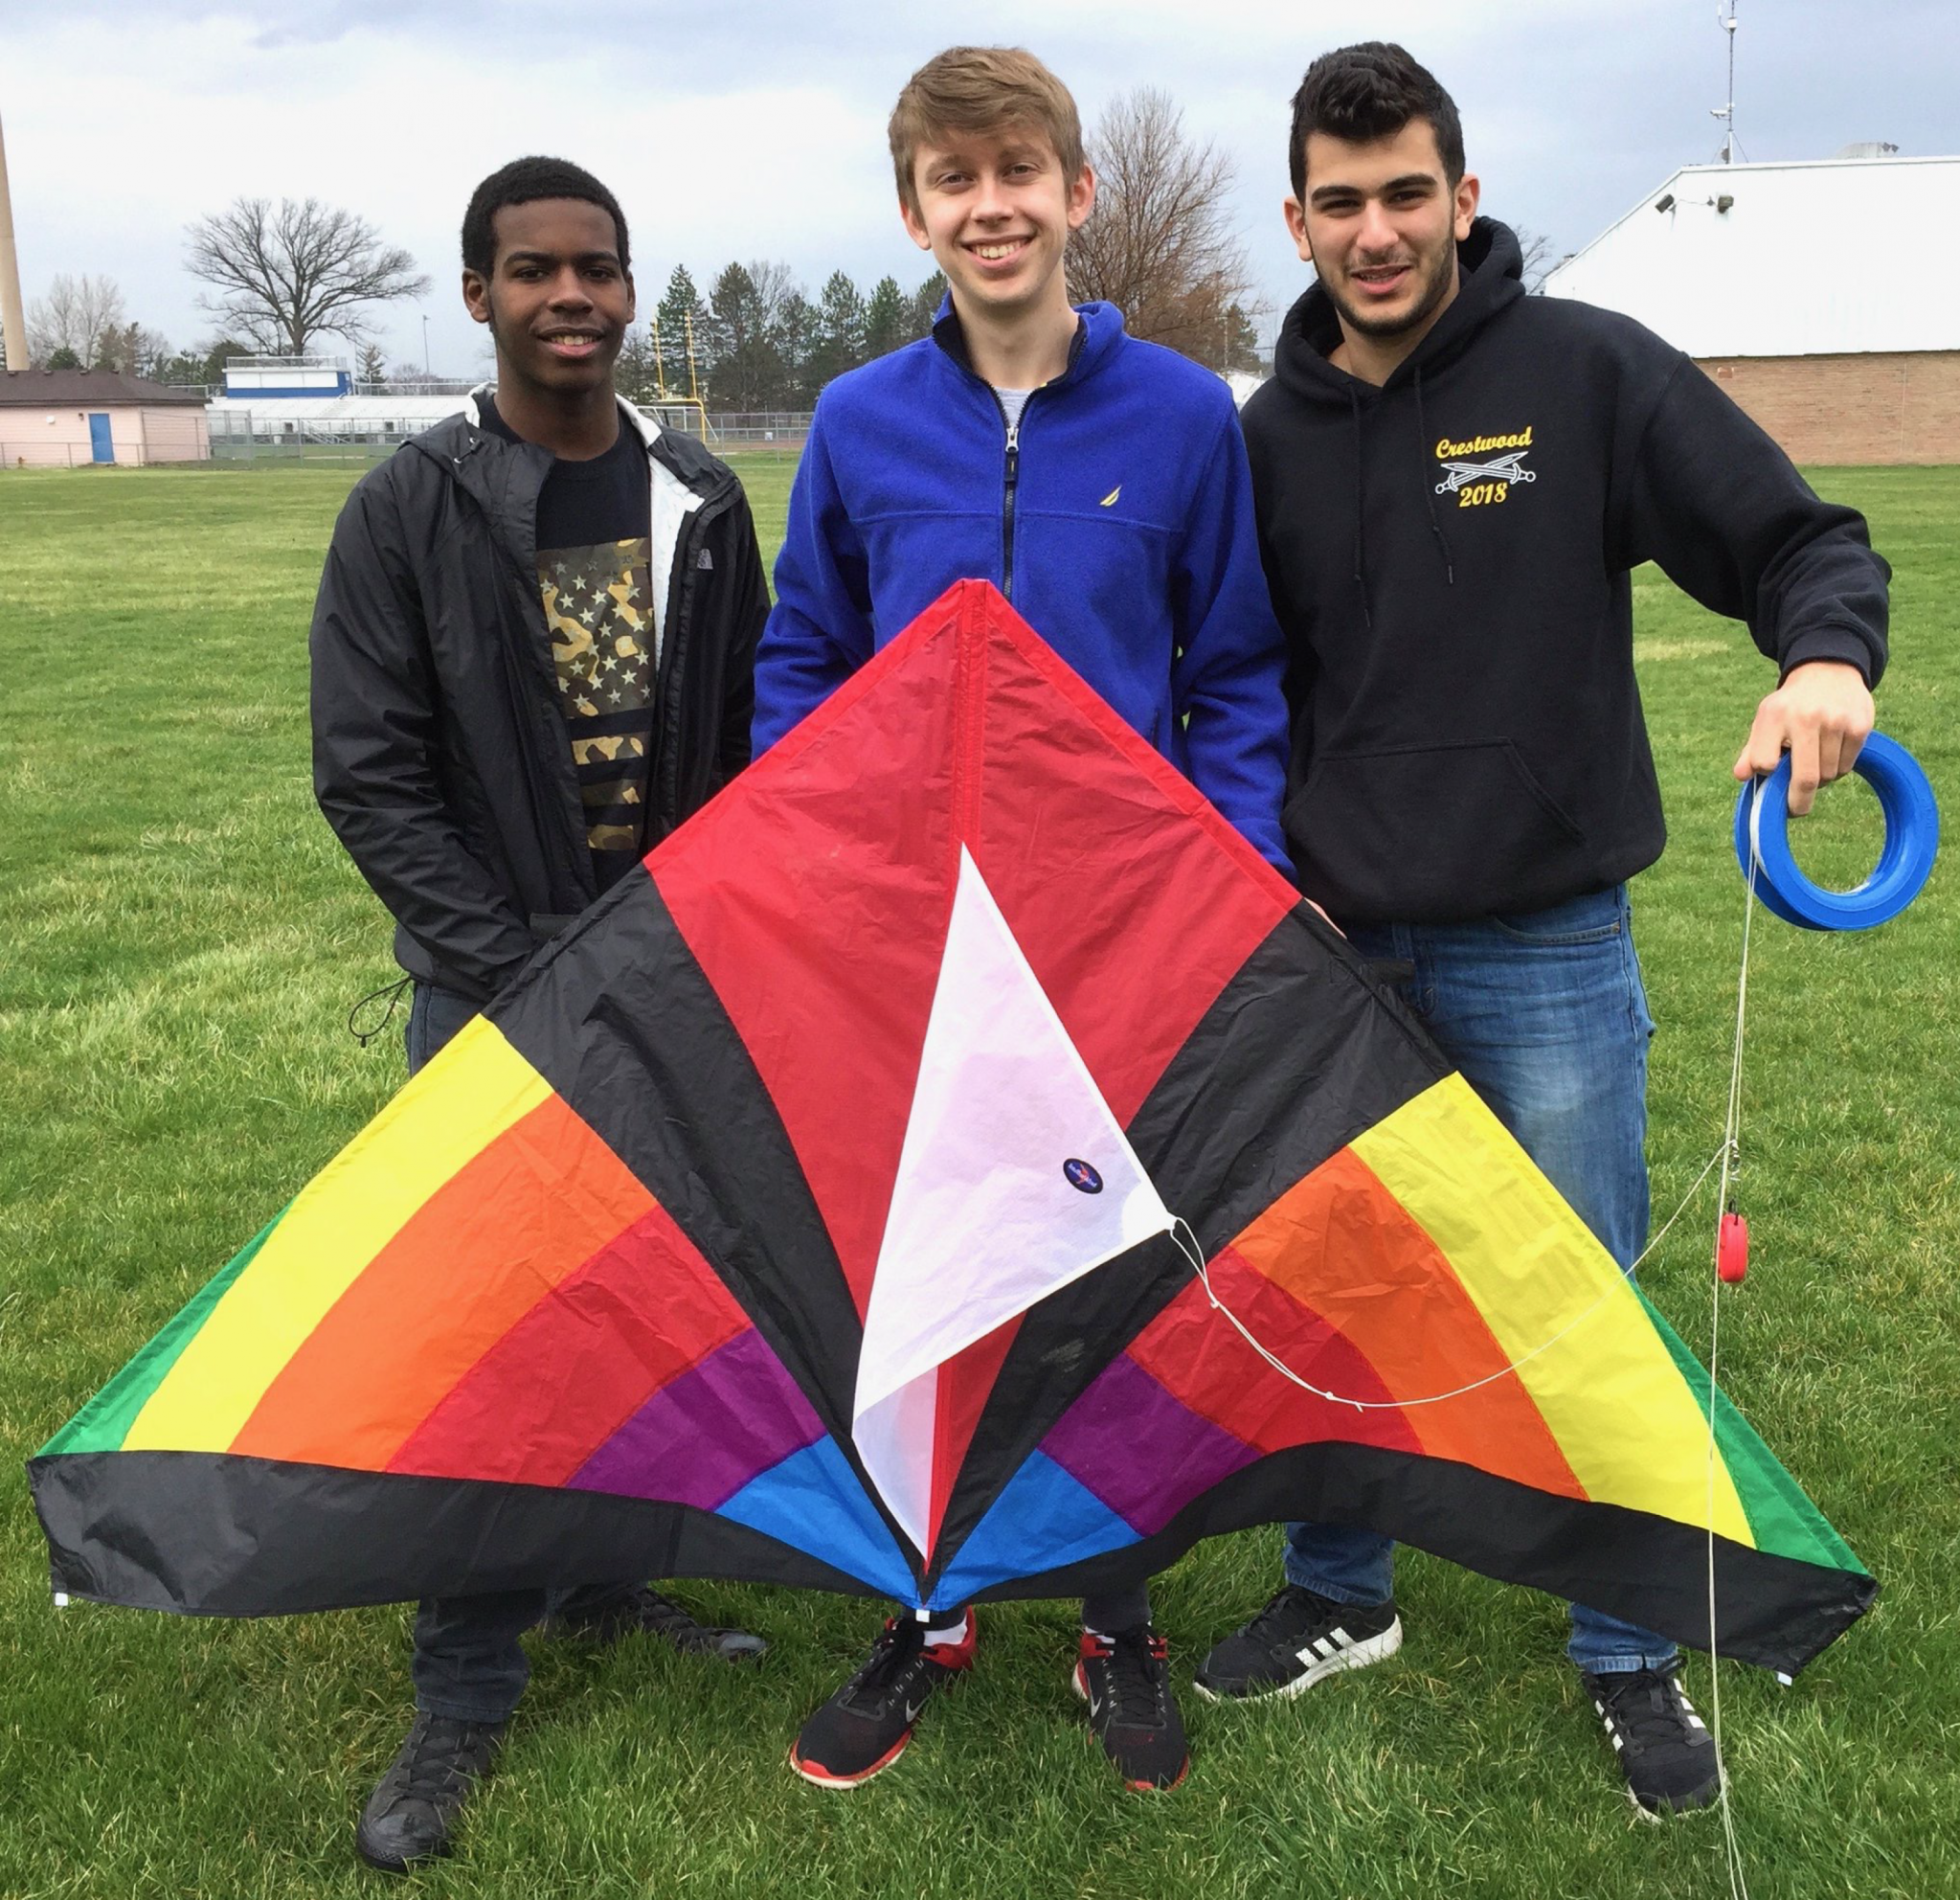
(558, 300)
(1381, 223)
(996, 209)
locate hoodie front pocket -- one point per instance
(1418, 833)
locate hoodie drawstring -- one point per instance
(1361, 556)
(1429, 487)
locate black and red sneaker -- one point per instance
(1125, 1680)
(863, 1728)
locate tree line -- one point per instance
(1160, 245)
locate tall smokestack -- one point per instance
(13, 322)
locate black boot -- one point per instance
(413, 1810)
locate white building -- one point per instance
(1824, 295)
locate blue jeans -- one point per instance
(1545, 1017)
(468, 1664)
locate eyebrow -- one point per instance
(552, 257)
(1401, 184)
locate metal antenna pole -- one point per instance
(13, 321)
(1727, 21)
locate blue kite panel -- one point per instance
(1044, 1519)
(813, 1500)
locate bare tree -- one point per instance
(283, 276)
(1159, 243)
(129, 347)
(78, 314)
(1539, 260)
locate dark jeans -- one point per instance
(1548, 1020)
(469, 1662)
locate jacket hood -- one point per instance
(1492, 278)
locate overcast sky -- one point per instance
(756, 130)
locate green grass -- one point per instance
(182, 942)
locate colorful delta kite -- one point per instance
(819, 1210)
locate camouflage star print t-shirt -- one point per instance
(593, 523)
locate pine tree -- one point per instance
(924, 304)
(681, 311)
(748, 372)
(793, 335)
(886, 318)
(839, 344)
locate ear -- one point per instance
(476, 295)
(1297, 229)
(1467, 191)
(1081, 198)
(915, 225)
(632, 296)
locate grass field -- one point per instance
(182, 942)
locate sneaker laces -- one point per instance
(661, 1615)
(1646, 1707)
(431, 1771)
(898, 1647)
(1276, 1621)
(1136, 1676)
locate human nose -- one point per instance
(990, 199)
(1376, 232)
(568, 289)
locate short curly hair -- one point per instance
(522, 182)
(1367, 92)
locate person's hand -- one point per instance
(1821, 715)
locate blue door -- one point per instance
(101, 443)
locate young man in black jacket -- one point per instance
(532, 657)
(1453, 483)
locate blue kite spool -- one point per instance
(1912, 835)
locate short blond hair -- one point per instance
(981, 89)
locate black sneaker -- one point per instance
(1297, 1641)
(644, 1607)
(1664, 1748)
(1124, 1681)
(412, 1812)
(863, 1728)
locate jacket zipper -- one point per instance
(1010, 482)
(664, 768)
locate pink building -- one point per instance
(66, 418)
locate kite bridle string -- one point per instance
(1192, 1249)
(1727, 1158)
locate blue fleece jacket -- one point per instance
(1119, 525)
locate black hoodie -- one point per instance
(1448, 554)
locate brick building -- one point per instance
(1824, 295)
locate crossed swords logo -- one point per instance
(1506, 469)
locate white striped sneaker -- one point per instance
(1297, 1640)
(1664, 1747)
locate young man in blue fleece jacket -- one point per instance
(1101, 483)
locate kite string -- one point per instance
(1188, 1244)
(1728, 1157)
(1731, 1166)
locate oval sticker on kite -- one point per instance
(1080, 1175)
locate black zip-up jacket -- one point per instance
(440, 756)
(1450, 558)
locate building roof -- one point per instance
(1814, 258)
(80, 388)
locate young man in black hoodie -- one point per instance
(534, 654)
(1453, 483)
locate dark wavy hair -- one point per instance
(522, 182)
(1367, 91)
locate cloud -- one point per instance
(757, 131)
